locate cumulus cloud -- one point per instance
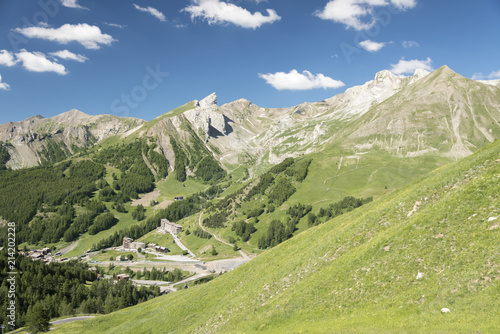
(481, 76)
(7, 58)
(300, 81)
(409, 66)
(216, 11)
(72, 4)
(372, 46)
(153, 11)
(359, 14)
(3, 85)
(89, 36)
(38, 62)
(410, 44)
(68, 55)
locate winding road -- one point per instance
(243, 255)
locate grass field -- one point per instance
(358, 273)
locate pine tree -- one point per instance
(37, 319)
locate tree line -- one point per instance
(62, 289)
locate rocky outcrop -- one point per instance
(68, 130)
(207, 117)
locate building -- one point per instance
(120, 277)
(129, 243)
(162, 249)
(170, 227)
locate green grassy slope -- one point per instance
(358, 273)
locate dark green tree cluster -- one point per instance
(282, 166)
(264, 182)
(64, 289)
(136, 177)
(107, 194)
(50, 229)
(156, 274)
(299, 170)
(53, 151)
(282, 188)
(83, 221)
(281, 191)
(209, 170)
(347, 204)
(299, 210)
(202, 234)
(181, 161)
(276, 233)
(255, 212)
(4, 155)
(158, 160)
(137, 180)
(139, 213)
(243, 230)
(103, 222)
(24, 191)
(216, 220)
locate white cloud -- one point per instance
(409, 66)
(153, 11)
(404, 4)
(481, 76)
(7, 58)
(300, 81)
(410, 44)
(115, 25)
(358, 14)
(3, 85)
(216, 11)
(89, 36)
(72, 4)
(68, 55)
(372, 46)
(38, 62)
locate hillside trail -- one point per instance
(68, 248)
(243, 255)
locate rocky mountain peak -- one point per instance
(209, 101)
(420, 73)
(207, 117)
(386, 76)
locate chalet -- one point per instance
(162, 249)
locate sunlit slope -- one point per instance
(358, 272)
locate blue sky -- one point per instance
(142, 58)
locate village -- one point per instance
(146, 255)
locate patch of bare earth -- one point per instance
(146, 199)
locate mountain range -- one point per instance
(428, 114)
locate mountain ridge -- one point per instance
(242, 131)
